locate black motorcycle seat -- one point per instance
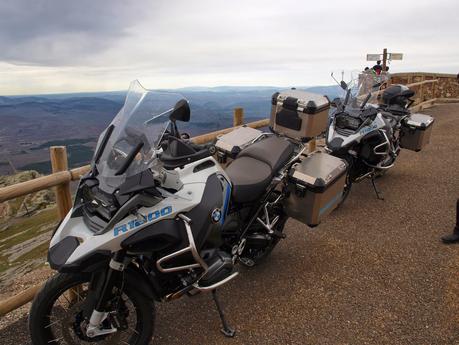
(250, 177)
(252, 170)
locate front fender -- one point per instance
(134, 279)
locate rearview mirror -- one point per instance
(181, 111)
(336, 102)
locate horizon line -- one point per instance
(161, 89)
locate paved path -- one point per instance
(373, 273)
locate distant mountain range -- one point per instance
(32, 123)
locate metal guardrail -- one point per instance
(62, 176)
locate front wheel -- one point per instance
(59, 314)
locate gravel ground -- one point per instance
(374, 272)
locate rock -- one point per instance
(28, 204)
(22, 176)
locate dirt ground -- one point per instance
(375, 272)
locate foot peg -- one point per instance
(279, 234)
(227, 330)
(247, 262)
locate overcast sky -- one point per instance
(88, 45)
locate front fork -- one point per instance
(105, 295)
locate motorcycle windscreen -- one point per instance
(365, 87)
(129, 145)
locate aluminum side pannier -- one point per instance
(416, 131)
(299, 114)
(315, 187)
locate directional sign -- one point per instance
(374, 57)
(395, 56)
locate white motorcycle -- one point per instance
(367, 126)
(155, 219)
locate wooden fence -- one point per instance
(61, 176)
(60, 179)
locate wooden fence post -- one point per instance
(312, 145)
(238, 117)
(421, 89)
(59, 163)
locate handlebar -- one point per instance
(365, 101)
(200, 147)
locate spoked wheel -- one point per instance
(255, 255)
(58, 315)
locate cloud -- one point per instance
(90, 45)
(52, 33)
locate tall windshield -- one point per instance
(364, 86)
(129, 145)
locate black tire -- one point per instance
(57, 285)
(260, 256)
(346, 190)
(348, 184)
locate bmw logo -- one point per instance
(216, 215)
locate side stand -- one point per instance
(226, 330)
(378, 193)
(454, 237)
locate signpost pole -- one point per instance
(384, 64)
(385, 58)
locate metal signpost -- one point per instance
(384, 57)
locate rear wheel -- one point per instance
(346, 190)
(58, 314)
(350, 175)
(254, 255)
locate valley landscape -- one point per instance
(30, 124)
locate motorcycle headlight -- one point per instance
(347, 122)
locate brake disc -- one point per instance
(73, 326)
